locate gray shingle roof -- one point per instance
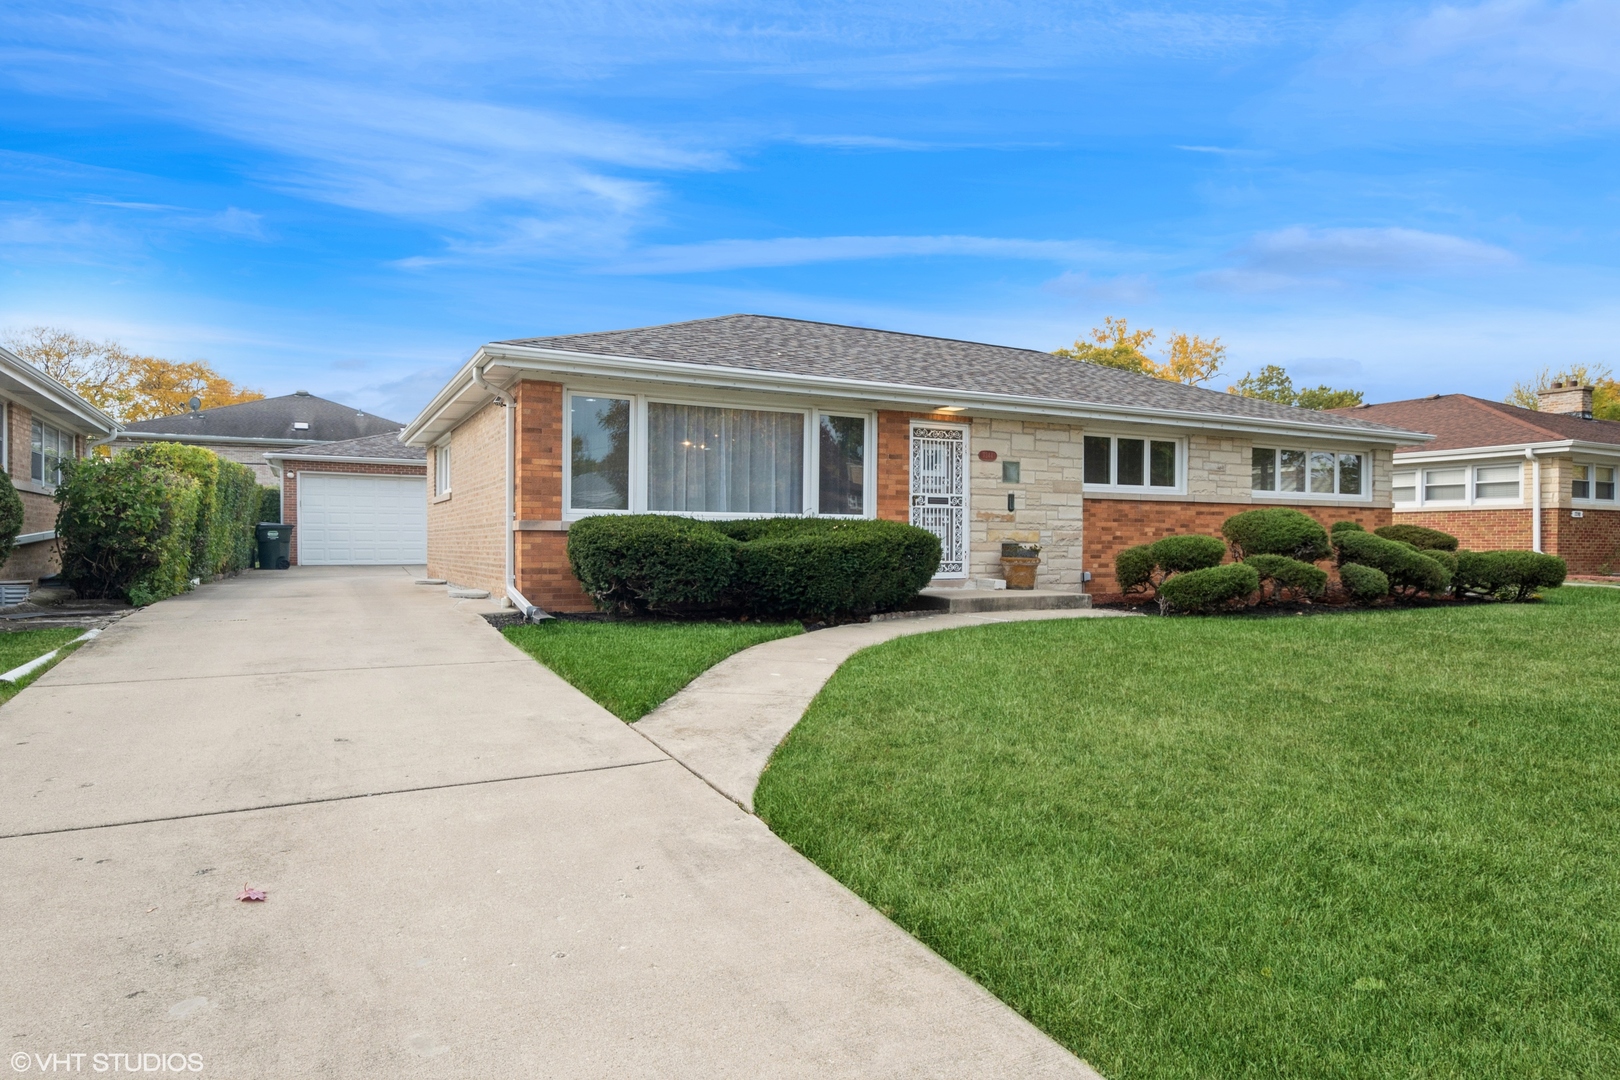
(382, 447)
(273, 418)
(792, 346)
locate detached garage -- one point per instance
(356, 502)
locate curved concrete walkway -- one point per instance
(727, 722)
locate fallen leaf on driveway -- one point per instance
(251, 894)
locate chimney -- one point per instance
(1569, 398)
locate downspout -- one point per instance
(516, 598)
(1535, 499)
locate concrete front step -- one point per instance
(968, 601)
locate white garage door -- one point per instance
(345, 520)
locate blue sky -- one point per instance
(348, 198)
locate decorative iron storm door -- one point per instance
(939, 492)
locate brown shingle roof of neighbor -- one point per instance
(792, 346)
(384, 447)
(1460, 421)
(272, 418)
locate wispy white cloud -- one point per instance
(797, 251)
(1299, 255)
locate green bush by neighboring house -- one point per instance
(142, 525)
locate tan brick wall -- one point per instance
(290, 471)
(32, 561)
(467, 531)
(1112, 525)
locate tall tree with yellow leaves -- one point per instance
(1190, 359)
(125, 385)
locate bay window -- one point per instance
(628, 453)
(1113, 461)
(1306, 472)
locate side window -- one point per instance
(441, 470)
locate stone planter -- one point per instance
(1020, 571)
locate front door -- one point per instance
(939, 491)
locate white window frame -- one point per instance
(1471, 498)
(1592, 499)
(1368, 460)
(1113, 437)
(73, 440)
(638, 494)
(441, 470)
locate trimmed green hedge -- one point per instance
(788, 567)
(1508, 575)
(1147, 565)
(1419, 537)
(269, 505)
(142, 524)
(1210, 589)
(1291, 575)
(1408, 569)
(1279, 530)
(11, 517)
(1364, 584)
(1344, 526)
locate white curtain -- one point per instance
(724, 461)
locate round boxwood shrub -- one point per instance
(11, 517)
(1278, 530)
(1407, 569)
(1180, 554)
(1289, 575)
(1419, 537)
(651, 562)
(1133, 568)
(1508, 575)
(1344, 526)
(1209, 589)
(1364, 584)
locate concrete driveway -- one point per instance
(473, 870)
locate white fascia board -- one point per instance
(1468, 453)
(511, 361)
(182, 437)
(34, 381)
(418, 462)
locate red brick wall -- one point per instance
(1112, 525)
(1590, 544)
(31, 561)
(289, 484)
(1479, 530)
(543, 575)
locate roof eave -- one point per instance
(54, 393)
(180, 436)
(1503, 449)
(520, 358)
(346, 460)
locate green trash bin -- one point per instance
(275, 545)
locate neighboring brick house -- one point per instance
(42, 423)
(243, 433)
(1498, 476)
(749, 415)
(355, 501)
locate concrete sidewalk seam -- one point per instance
(332, 799)
(296, 671)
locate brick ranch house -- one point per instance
(42, 424)
(354, 502)
(1498, 476)
(750, 415)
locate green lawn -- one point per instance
(20, 646)
(1381, 844)
(631, 667)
